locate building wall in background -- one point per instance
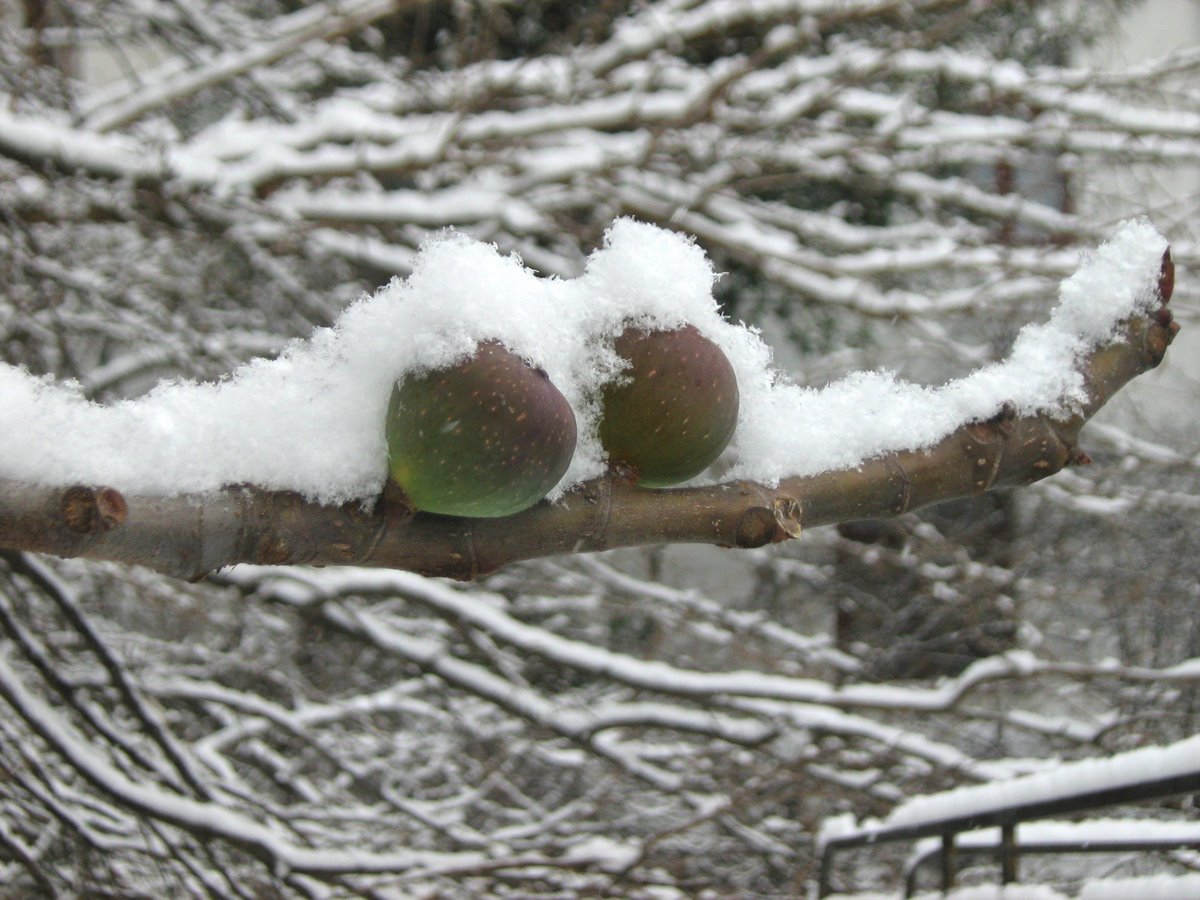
(1151, 406)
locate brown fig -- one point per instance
(674, 408)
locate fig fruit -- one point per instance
(673, 410)
(487, 437)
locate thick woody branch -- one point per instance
(189, 536)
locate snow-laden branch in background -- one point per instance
(174, 82)
(763, 699)
(309, 423)
(489, 613)
(276, 843)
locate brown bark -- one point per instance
(189, 536)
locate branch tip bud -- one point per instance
(1166, 278)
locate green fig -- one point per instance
(487, 437)
(673, 410)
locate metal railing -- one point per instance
(1008, 850)
(1024, 845)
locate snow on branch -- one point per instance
(172, 83)
(1065, 780)
(277, 845)
(487, 612)
(282, 461)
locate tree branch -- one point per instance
(171, 85)
(190, 535)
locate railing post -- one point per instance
(949, 860)
(826, 872)
(910, 881)
(1008, 853)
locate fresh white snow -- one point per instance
(1065, 780)
(1149, 887)
(311, 420)
(972, 892)
(1091, 831)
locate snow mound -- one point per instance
(1149, 887)
(311, 420)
